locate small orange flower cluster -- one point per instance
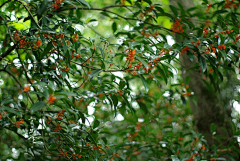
(205, 31)
(138, 66)
(192, 156)
(140, 99)
(120, 92)
(131, 55)
(203, 147)
(51, 99)
(18, 123)
(177, 26)
(162, 52)
(114, 154)
(49, 119)
(76, 155)
(230, 4)
(61, 153)
(132, 136)
(72, 122)
(2, 114)
(208, 7)
(96, 148)
(57, 4)
(75, 37)
(207, 23)
(38, 43)
(60, 36)
(66, 69)
(223, 32)
(60, 115)
(78, 56)
(145, 34)
(26, 89)
(207, 51)
(58, 127)
(184, 50)
(214, 50)
(237, 38)
(22, 43)
(186, 94)
(156, 60)
(138, 126)
(197, 43)
(16, 36)
(222, 47)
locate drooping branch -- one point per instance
(7, 52)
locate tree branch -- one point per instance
(7, 52)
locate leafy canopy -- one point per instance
(85, 81)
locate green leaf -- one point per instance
(64, 46)
(174, 10)
(142, 61)
(161, 71)
(114, 26)
(202, 63)
(43, 8)
(37, 106)
(6, 101)
(84, 2)
(102, 52)
(96, 124)
(47, 49)
(115, 103)
(174, 158)
(10, 110)
(95, 73)
(128, 104)
(144, 83)
(213, 127)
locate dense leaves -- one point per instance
(99, 80)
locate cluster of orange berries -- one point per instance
(208, 7)
(177, 27)
(21, 39)
(75, 37)
(2, 114)
(222, 47)
(138, 66)
(96, 147)
(50, 119)
(230, 4)
(72, 122)
(66, 69)
(205, 32)
(237, 38)
(114, 154)
(26, 89)
(184, 50)
(76, 155)
(120, 92)
(58, 127)
(131, 55)
(140, 99)
(38, 43)
(51, 99)
(60, 114)
(192, 157)
(223, 32)
(57, 4)
(61, 153)
(18, 123)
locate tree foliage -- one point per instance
(70, 69)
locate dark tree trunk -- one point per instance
(210, 107)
